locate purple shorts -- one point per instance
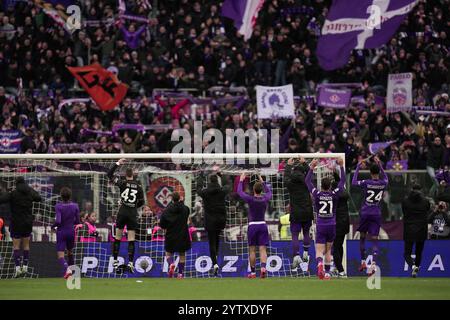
(258, 235)
(298, 226)
(65, 240)
(325, 233)
(370, 224)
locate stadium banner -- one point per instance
(399, 92)
(95, 259)
(275, 102)
(435, 258)
(358, 24)
(244, 13)
(334, 98)
(10, 141)
(426, 110)
(102, 85)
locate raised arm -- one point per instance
(240, 190)
(341, 184)
(199, 184)
(267, 192)
(308, 180)
(288, 172)
(113, 170)
(140, 30)
(140, 197)
(175, 109)
(383, 175)
(355, 181)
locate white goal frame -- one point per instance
(172, 157)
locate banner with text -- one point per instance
(95, 259)
(334, 98)
(10, 141)
(399, 93)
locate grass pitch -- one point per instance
(226, 288)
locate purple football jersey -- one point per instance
(373, 191)
(67, 215)
(257, 205)
(325, 202)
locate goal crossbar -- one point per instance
(173, 156)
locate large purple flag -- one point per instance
(358, 24)
(377, 146)
(244, 13)
(334, 98)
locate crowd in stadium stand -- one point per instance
(188, 44)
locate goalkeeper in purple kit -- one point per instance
(258, 233)
(67, 217)
(370, 212)
(325, 203)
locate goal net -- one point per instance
(160, 176)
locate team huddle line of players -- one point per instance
(327, 201)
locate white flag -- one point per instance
(399, 93)
(275, 102)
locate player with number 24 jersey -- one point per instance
(373, 190)
(370, 214)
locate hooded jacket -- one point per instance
(174, 220)
(300, 199)
(214, 204)
(415, 214)
(21, 202)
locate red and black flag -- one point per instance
(102, 85)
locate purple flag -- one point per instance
(397, 165)
(334, 98)
(244, 13)
(377, 146)
(425, 110)
(358, 24)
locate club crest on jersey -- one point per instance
(160, 192)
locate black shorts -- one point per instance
(127, 217)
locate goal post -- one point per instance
(160, 175)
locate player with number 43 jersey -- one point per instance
(131, 198)
(370, 213)
(325, 202)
